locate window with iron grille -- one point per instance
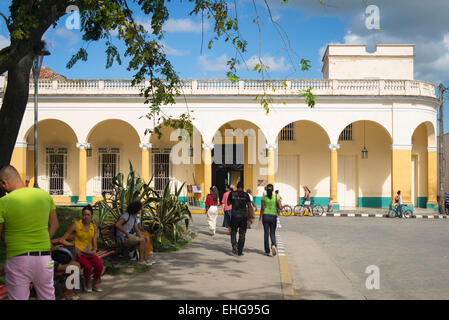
(287, 133)
(108, 167)
(346, 134)
(161, 171)
(56, 169)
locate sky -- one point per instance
(308, 27)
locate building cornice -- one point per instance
(226, 99)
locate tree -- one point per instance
(30, 19)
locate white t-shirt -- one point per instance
(128, 225)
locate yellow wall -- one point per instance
(113, 133)
(18, 160)
(54, 133)
(419, 149)
(401, 174)
(374, 173)
(312, 144)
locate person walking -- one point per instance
(86, 235)
(267, 217)
(227, 209)
(278, 210)
(212, 203)
(306, 199)
(242, 211)
(251, 199)
(28, 216)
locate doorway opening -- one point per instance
(227, 166)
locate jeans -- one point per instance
(238, 223)
(399, 210)
(227, 218)
(269, 229)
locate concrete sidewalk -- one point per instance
(203, 269)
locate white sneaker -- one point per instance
(273, 250)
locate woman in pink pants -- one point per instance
(86, 234)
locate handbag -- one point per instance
(278, 222)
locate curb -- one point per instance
(365, 215)
(371, 215)
(287, 286)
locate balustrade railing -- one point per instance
(245, 87)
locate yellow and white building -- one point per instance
(90, 129)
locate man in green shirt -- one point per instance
(29, 218)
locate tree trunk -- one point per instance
(13, 108)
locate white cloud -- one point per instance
(273, 63)
(4, 42)
(185, 25)
(145, 22)
(217, 64)
(172, 51)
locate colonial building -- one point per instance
(366, 103)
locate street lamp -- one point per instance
(36, 67)
(364, 151)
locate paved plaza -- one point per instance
(320, 258)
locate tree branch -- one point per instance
(6, 21)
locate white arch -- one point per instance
(282, 124)
(31, 128)
(97, 124)
(431, 133)
(215, 125)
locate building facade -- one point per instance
(89, 130)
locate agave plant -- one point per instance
(112, 208)
(164, 217)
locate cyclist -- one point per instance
(398, 200)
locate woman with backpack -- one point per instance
(267, 217)
(212, 203)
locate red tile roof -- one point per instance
(48, 74)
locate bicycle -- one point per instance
(406, 212)
(286, 210)
(317, 209)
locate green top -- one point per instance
(25, 213)
(270, 205)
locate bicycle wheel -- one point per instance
(317, 210)
(297, 209)
(407, 213)
(286, 210)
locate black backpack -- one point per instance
(62, 256)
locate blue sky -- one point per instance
(309, 26)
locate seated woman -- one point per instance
(86, 234)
